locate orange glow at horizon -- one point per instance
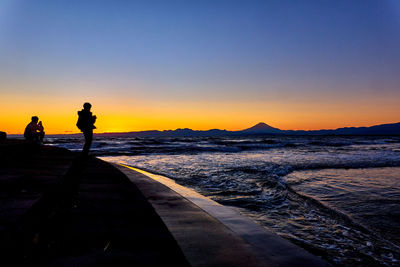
(120, 115)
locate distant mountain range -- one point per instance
(264, 129)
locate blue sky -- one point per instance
(190, 50)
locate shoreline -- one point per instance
(97, 212)
(259, 239)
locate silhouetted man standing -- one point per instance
(86, 124)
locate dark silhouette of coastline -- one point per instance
(3, 136)
(263, 129)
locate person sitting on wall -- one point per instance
(34, 131)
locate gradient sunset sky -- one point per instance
(201, 64)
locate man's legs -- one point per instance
(34, 138)
(88, 142)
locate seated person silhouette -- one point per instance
(86, 124)
(34, 131)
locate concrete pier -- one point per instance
(211, 234)
(58, 209)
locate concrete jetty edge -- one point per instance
(60, 209)
(210, 234)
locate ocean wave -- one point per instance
(256, 175)
(295, 212)
(171, 146)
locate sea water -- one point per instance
(338, 197)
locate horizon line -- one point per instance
(75, 133)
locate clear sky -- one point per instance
(199, 64)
